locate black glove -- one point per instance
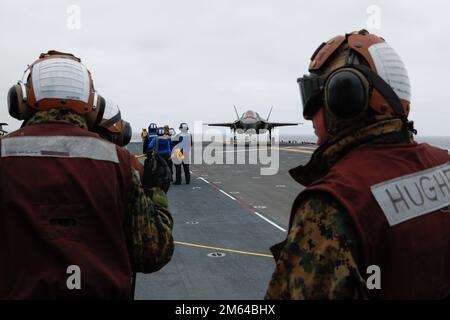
(156, 173)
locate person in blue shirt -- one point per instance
(163, 148)
(151, 134)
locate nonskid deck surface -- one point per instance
(225, 222)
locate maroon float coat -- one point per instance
(61, 204)
(413, 255)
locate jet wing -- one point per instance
(225, 124)
(280, 124)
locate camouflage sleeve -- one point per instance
(150, 227)
(318, 258)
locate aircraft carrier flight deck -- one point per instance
(225, 221)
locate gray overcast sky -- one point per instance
(172, 61)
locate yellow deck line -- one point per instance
(223, 249)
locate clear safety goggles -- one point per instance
(111, 116)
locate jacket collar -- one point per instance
(385, 131)
(59, 115)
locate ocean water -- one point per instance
(440, 142)
(437, 141)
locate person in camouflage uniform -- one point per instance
(151, 222)
(72, 199)
(320, 258)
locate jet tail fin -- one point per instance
(237, 114)
(270, 112)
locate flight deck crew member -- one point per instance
(172, 132)
(70, 200)
(144, 134)
(373, 197)
(163, 147)
(180, 153)
(151, 134)
(168, 134)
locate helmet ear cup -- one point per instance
(17, 107)
(94, 117)
(14, 99)
(346, 93)
(126, 133)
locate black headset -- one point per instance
(127, 132)
(348, 91)
(17, 98)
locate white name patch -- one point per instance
(60, 147)
(414, 195)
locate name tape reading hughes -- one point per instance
(413, 195)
